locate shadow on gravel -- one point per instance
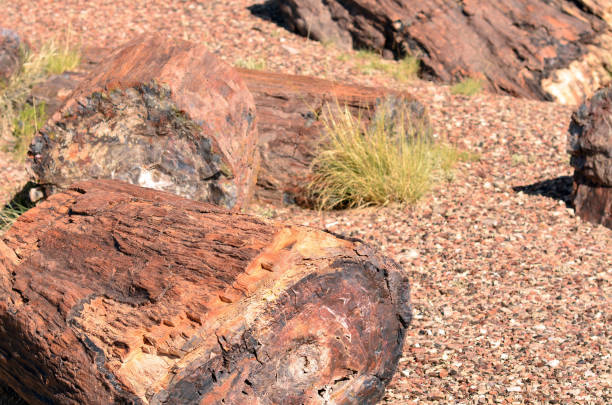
(558, 189)
(269, 11)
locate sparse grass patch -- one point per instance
(9, 214)
(377, 163)
(19, 120)
(370, 62)
(467, 87)
(252, 63)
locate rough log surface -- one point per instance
(11, 48)
(514, 45)
(158, 113)
(112, 293)
(590, 145)
(288, 110)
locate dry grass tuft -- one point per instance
(252, 63)
(392, 159)
(467, 87)
(369, 62)
(20, 120)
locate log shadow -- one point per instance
(559, 188)
(269, 11)
(9, 397)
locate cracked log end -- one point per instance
(162, 114)
(112, 293)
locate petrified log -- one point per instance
(11, 54)
(590, 146)
(289, 109)
(513, 44)
(112, 293)
(157, 113)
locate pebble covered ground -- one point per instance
(511, 291)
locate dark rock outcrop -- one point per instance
(157, 113)
(514, 45)
(11, 53)
(590, 146)
(112, 293)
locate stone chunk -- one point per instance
(157, 113)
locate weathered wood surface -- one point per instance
(590, 147)
(513, 45)
(12, 49)
(112, 293)
(158, 113)
(290, 130)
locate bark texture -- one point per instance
(513, 45)
(590, 145)
(162, 114)
(289, 109)
(112, 293)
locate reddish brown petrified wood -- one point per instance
(513, 45)
(111, 293)
(159, 113)
(288, 110)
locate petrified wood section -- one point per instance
(288, 110)
(590, 146)
(112, 293)
(158, 113)
(11, 49)
(513, 44)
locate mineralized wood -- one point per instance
(513, 45)
(290, 130)
(159, 113)
(12, 49)
(111, 293)
(590, 147)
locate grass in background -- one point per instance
(9, 214)
(467, 87)
(385, 161)
(20, 120)
(252, 63)
(370, 62)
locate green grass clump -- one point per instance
(385, 161)
(252, 63)
(467, 87)
(19, 120)
(369, 62)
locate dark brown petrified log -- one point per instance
(157, 113)
(590, 145)
(112, 293)
(288, 112)
(514, 45)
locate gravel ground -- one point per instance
(511, 292)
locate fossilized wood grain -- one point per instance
(114, 293)
(159, 113)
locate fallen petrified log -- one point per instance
(514, 45)
(289, 112)
(157, 113)
(590, 146)
(12, 48)
(112, 293)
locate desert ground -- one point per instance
(511, 292)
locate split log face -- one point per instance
(288, 109)
(590, 146)
(160, 114)
(112, 293)
(514, 45)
